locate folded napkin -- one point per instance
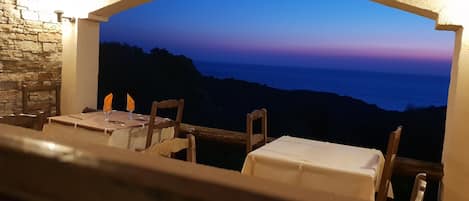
(130, 103)
(108, 103)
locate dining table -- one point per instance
(346, 170)
(122, 129)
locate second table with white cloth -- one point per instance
(341, 169)
(119, 131)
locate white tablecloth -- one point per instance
(347, 170)
(119, 131)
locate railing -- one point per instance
(215, 134)
(411, 167)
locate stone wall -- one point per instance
(30, 51)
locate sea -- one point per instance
(389, 91)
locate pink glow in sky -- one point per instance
(282, 32)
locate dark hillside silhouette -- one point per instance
(150, 76)
(223, 103)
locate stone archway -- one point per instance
(451, 15)
(80, 66)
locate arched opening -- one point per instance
(368, 124)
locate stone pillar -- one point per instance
(80, 65)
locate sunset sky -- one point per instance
(341, 34)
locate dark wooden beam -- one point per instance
(411, 167)
(219, 135)
(216, 134)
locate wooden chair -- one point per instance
(168, 147)
(32, 121)
(46, 107)
(166, 104)
(393, 145)
(88, 110)
(420, 185)
(254, 139)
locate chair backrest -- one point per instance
(32, 121)
(166, 104)
(168, 147)
(393, 145)
(420, 185)
(254, 139)
(46, 107)
(88, 110)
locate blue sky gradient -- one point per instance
(337, 34)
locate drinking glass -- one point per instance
(107, 115)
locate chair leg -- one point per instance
(40, 121)
(248, 134)
(191, 150)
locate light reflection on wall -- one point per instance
(51, 146)
(455, 12)
(71, 8)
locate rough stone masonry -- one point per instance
(30, 52)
